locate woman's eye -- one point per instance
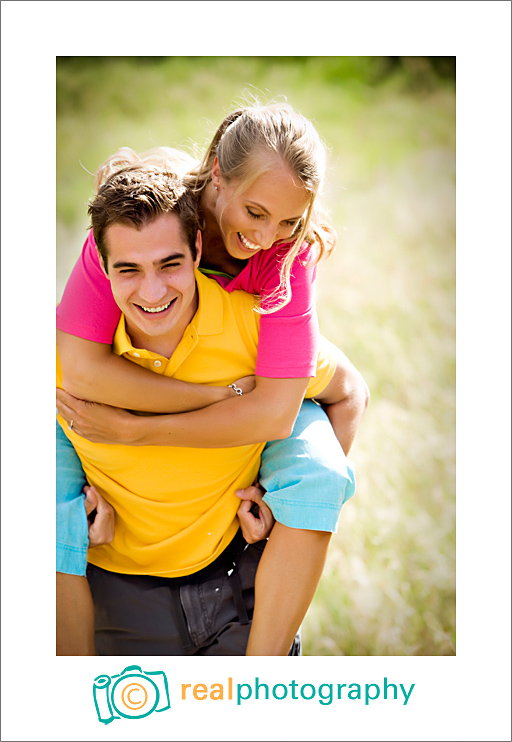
(254, 216)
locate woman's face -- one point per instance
(265, 213)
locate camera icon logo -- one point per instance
(133, 694)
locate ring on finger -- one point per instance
(70, 426)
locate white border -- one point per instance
(463, 697)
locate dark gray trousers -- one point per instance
(207, 613)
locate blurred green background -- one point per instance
(386, 296)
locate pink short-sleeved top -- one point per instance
(288, 340)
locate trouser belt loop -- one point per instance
(179, 616)
(236, 588)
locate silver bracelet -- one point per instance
(236, 389)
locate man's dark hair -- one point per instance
(136, 196)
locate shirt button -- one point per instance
(158, 363)
(136, 355)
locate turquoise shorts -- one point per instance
(307, 478)
(72, 529)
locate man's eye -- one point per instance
(171, 265)
(125, 271)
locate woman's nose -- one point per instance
(266, 236)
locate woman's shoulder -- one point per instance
(275, 254)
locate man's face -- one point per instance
(151, 272)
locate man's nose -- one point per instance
(152, 289)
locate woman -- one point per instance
(256, 188)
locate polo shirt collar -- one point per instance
(208, 320)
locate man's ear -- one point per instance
(199, 248)
(102, 265)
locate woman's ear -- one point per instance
(216, 173)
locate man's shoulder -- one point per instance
(241, 302)
(229, 315)
(242, 307)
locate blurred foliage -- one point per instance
(386, 297)
(151, 100)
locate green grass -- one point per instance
(386, 297)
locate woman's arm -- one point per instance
(87, 317)
(267, 413)
(92, 371)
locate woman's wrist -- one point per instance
(217, 394)
(236, 389)
(229, 391)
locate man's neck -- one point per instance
(164, 345)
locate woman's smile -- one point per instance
(268, 211)
(251, 246)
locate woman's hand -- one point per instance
(98, 423)
(100, 517)
(256, 519)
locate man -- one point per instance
(178, 578)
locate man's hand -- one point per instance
(255, 527)
(100, 516)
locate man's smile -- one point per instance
(156, 310)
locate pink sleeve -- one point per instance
(87, 308)
(288, 341)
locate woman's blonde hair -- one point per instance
(283, 132)
(244, 134)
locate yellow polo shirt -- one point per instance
(176, 507)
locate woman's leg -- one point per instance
(307, 478)
(75, 613)
(75, 616)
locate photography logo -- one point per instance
(133, 694)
